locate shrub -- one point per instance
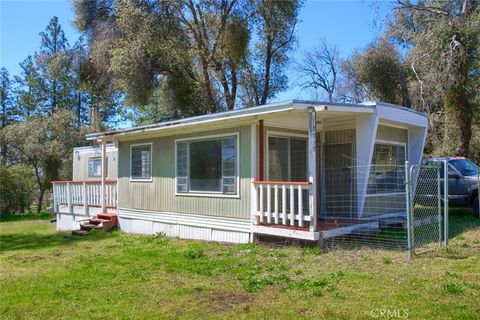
(16, 188)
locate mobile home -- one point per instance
(280, 170)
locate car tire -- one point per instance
(476, 208)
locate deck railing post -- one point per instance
(55, 198)
(84, 197)
(69, 198)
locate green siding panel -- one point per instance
(159, 194)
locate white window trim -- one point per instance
(209, 194)
(97, 158)
(389, 143)
(150, 144)
(279, 134)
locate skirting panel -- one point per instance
(185, 226)
(68, 222)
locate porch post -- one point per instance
(312, 167)
(261, 150)
(253, 174)
(102, 191)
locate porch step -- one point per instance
(90, 226)
(80, 233)
(102, 222)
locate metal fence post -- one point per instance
(445, 202)
(439, 202)
(409, 211)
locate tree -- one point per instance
(443, 40)
(8, 110)
(274, 23)
(379, 70)
(45, 144)
(319, 69)
(16, 188)
(180, 58)
(54, 62)
(29, 90)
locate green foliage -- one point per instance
(453, 288)
(443, 45)
(16, 187)
(175, 59)
(44, 144)
(379, 69)
(9, 217)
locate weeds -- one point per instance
(453, 288)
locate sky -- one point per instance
(348, 24)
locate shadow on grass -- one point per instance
(34, 241)
(8, 217)
(461, 220)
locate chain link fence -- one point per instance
(424, 185)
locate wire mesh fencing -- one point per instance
(425, 187)
(373, 206)
(363, 206)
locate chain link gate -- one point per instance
(427, 219)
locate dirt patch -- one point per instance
(227, 301)
(27, 259)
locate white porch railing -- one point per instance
(84, 193)
(283, 203)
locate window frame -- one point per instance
(212, 194)
(287, 135)
(106, 167)
(132, 179)
(389, 143)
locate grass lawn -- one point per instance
(119, 276)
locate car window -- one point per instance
(465, 167)
(440, 165)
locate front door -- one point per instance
(339, 186)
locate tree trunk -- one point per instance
(268, 64)
(40, 200)
(404, 88)
(459, 110)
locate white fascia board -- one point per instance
(193, 121)
(345, 108)
(401, 115)
(94, 149)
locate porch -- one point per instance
(85, 197)
(351, 181)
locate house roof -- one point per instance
(366, 107)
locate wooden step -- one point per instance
(89, 226)
(80, 233)
(97, 221)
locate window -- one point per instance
(287, 159)
(141, 162)
(207, 165)
(387, 173)
(465, 167)
(95, 167)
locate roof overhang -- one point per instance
(248, 115)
